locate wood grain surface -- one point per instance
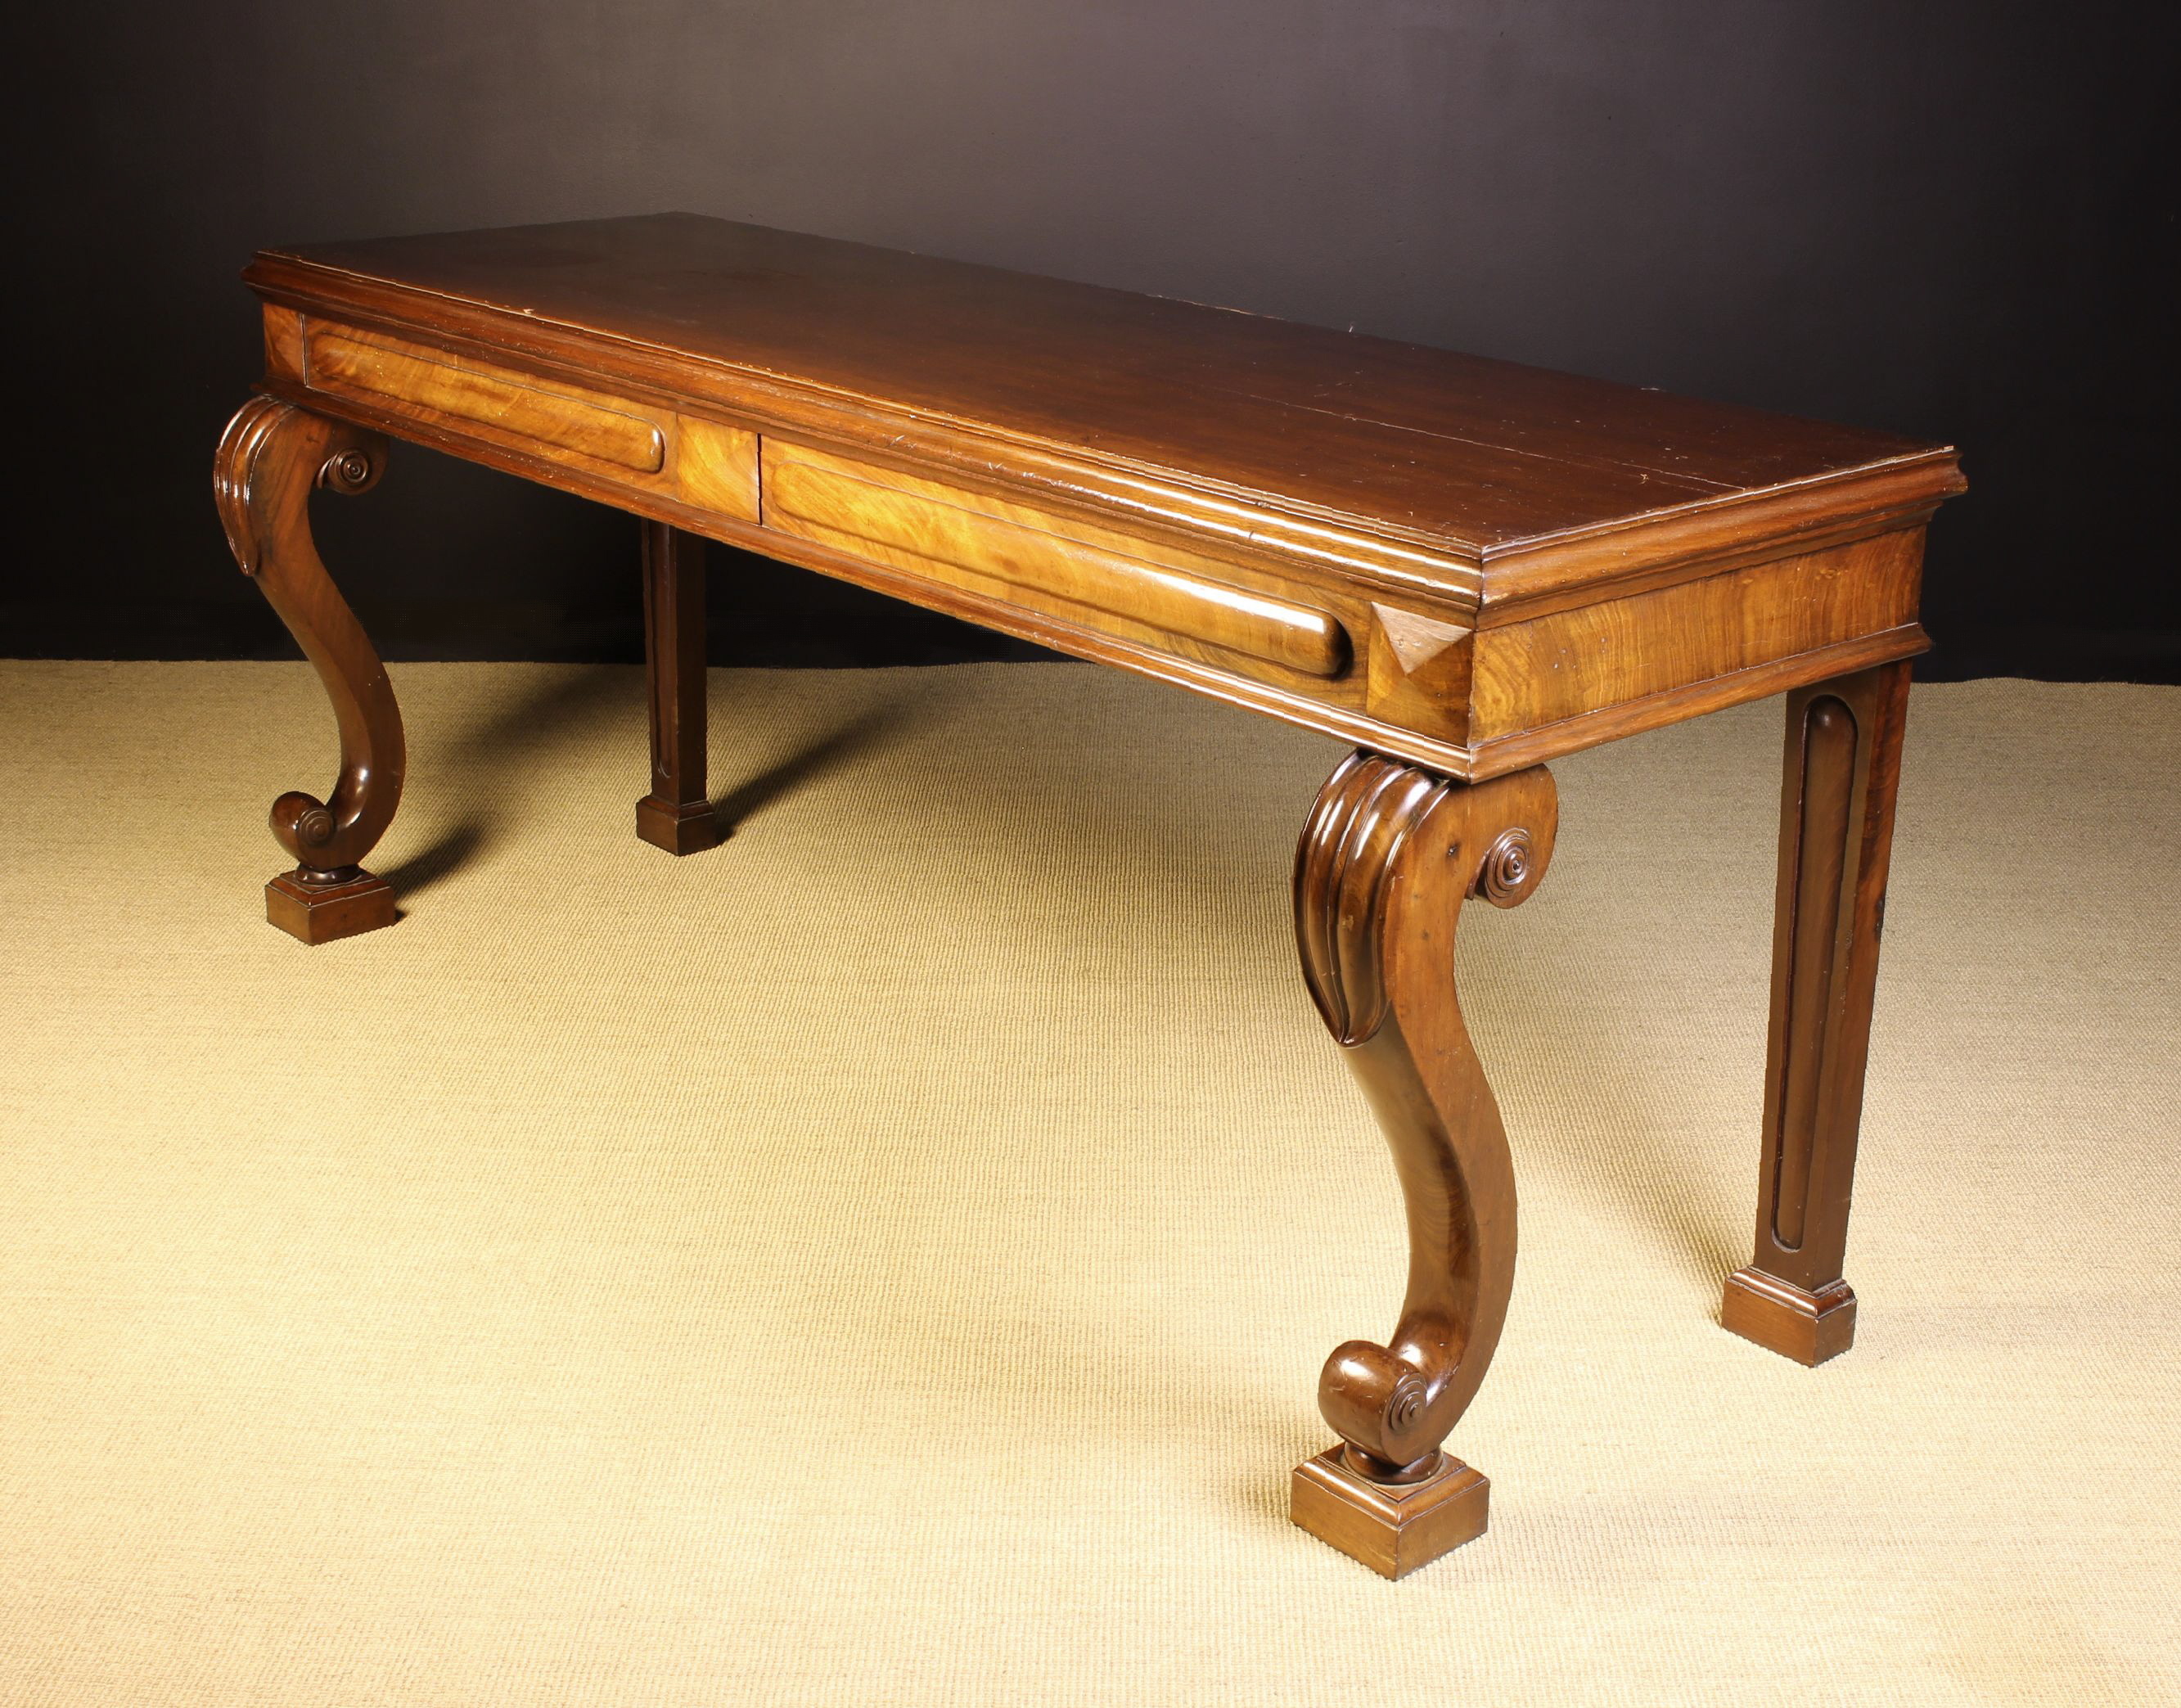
(1471, 564)
(486, 398)
(1459, 448)
(1070, 567)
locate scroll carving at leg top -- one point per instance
(271, 457)
(1390, 856)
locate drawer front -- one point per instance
(506, 408)
(610, 446)
(1059, 566)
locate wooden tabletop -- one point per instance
(1480, 457)
(1469, 563)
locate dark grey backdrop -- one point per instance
(1946, 218)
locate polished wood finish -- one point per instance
(1841, 773)
(1266, 513)
(1464, 566)
(1421, 446)
(1388, 856)
(1550, 668)
(1092, 575)
(1392, 1528)
(318, 909)
(715, 467)
(271, 457)
(676, 814)
(486, 400)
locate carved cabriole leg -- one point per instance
(1387, 860)
(677, 814)
(271, 456)
(1842, 770)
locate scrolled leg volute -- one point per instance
(271, 457)
(1390, 856)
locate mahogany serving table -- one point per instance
(1465, 566)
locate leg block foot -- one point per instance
(680, 830)
(673, 815)
(1392, 1528)
(318, 913)
(1782, 1318)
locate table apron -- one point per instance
(1389, 668)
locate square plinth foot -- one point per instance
(1392, 1528)
(319, 912)
(680, 830)
(1809, 1328)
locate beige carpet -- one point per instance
(887, 1259)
